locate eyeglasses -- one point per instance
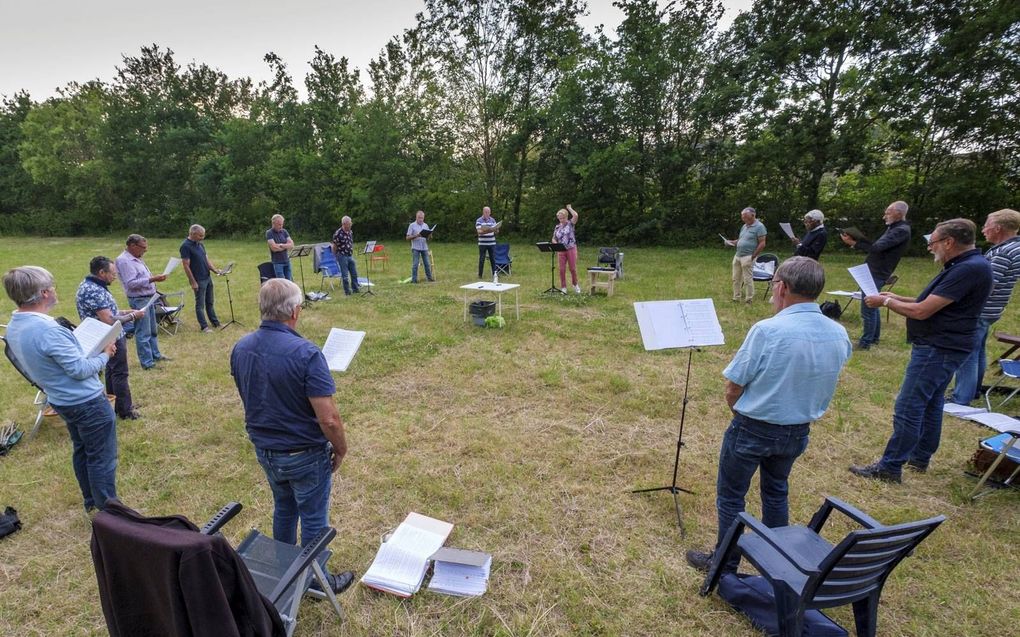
(934, 241)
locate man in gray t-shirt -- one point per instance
(749, 245)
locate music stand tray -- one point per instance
(369, 249)
(552, 249)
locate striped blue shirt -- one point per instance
(488, 239)
(1005, 260)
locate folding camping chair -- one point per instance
(806, 572)
(1004, 447)
(168, 312)
(328, 267)
(611, 258)
(764, 270)
(502, 259)
(262, 587)
(40, 396)
(1008, 369)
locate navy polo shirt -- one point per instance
(194, 252)
(276, 371)
(967, 280)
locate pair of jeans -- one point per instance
(204, 302)
(750, 445)
(971, 374)
(93, 429)
(566, 259)
(348, 271)
(482, 251)
(917, 415)
(117, 379)
(146, 340)
(301, 482)
(282, 270)
(424, 256)
(742, 273)
(871, 320)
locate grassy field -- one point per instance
(528, 439)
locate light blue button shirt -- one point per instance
(789, 365)
(420, 243)
(52, 357)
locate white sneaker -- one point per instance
(577, 288)
(563, 290)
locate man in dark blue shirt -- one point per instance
(814, 241)
(198, 268)
(287, 391)
(941, 324)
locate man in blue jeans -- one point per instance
(883, 257)
(52, 357)
(287, 391)
(780, 380)
(280, 245)
(198, 268)
(941, 324)
(139, 287)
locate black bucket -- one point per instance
(480, 310)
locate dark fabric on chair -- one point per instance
(752, 595)
(266, 272)
(161, 576)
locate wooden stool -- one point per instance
(599, 278)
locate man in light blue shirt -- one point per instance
(419, 246)
(51, 356)
(781, 379)
(749, 244)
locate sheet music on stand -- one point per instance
(340, 348)
(227, 270)
(369, 247)
(673, 324)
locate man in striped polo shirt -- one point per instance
(1000, 229)
(486, 228)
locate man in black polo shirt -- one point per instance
(287, 391)
(883, 257)
(941, 323)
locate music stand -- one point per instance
(226, 274)
(296, 253)
(552, 249)
(678, 325)
(369, 249)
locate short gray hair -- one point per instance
(135, 239)
(278, 298)
(749, 210)
(802, 275)
(962, 231)
(900, 207)
(25, 285)
(345, 219)
(275, 217)
(196, 228)
(1007, 218)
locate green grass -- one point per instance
(528, 439)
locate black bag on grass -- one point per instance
(9, 522)
(831, 309)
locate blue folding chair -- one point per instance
(504, 262)
(328, 267)
(1010, 369)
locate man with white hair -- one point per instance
(883, 257)
(198, 267)
(342, 245)
(51, 356)
(816, 238)
(749, 245)
(289, 413)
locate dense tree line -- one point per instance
(659, 132)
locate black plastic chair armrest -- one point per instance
(765, 533)
(224, 515)
(303, 561)
(854, 513)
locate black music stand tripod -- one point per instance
(297, 252)
(552, 249)
(225, 273)
(369, 249)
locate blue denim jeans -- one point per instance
(93, 428)
(917, 415)
(204, 302)
(282, 271)
(971, 374)
(348, 271)
(146, 341)
(871, 321)
(424, 256)
(301, 483)
(750, 445)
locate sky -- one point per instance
(45, 44)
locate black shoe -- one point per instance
(133, 415)
(875, 472)
(862, 346)
(699, 560)
(339, 582)
(916, 467)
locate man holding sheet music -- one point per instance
(53, 358)
(486, 228)
(418, 233)
(94, 300)
(749, 245)
(139, 287)
(941, 324)
(780, 380)
(287, 391)
(883, 257)
(814, 241)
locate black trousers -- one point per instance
(491, 249)
(117, 379)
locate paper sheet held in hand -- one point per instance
(340, 348)
(862, 275)
(787, 228)
(171, 265)
(93, 335)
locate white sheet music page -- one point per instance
(999, 422)
(862, 275)
(369, 247)
(402, 561)
(94, 335)
(340, 348)
(171, 265)
(672, 324)
(787, 228)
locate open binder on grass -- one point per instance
(402, 561)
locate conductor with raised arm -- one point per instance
(280, 245)
(564, 234)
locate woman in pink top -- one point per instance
(564, 233)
